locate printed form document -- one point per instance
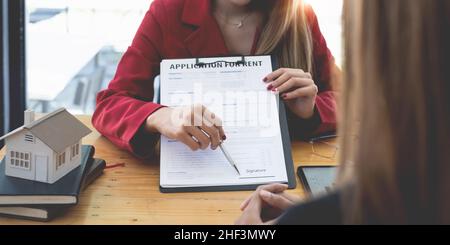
(237, 94)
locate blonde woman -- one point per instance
(395, 124)
(286, 29)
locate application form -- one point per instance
(233, 90)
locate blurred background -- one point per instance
(86, 38)
(60, 53)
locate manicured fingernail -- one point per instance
(284, 96)
(265, 79)
(270, 87)
(224, 137)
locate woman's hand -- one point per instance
(195, 126)
(266, 204)
(297, 88)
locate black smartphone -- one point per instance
(317, 179)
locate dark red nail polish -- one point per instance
(265, 79)
(224, 137)
(284, 96)
(270, 87)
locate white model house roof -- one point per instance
(58, 130)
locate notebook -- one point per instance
(253, 118)
(19, 192)
(48, 212)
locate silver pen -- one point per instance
(225, 153)
(228, 157)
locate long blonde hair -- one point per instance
(287, 34)
(396, 100)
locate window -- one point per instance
(20, 160)
(29, 138)
(12, 64)
(329, 14)
(61, 160)
(89, 36)
(74, 151)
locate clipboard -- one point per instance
(285, 137)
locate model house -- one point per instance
(46, 149)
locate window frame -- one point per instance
(13, 157)
(74, 151)
(13, 75)
(2, 116)
(60, 160)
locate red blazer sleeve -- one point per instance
(324, 119)
(124, 106)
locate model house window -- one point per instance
(74, 151)
(29, 138)
(20, 160)
(61, 160)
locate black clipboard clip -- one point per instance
(204, 64)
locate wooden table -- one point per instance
(130, 194)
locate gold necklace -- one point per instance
(237, 25)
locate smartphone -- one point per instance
(317, 180)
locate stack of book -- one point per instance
(25, 199)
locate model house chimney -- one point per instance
(29, 117)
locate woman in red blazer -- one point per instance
(286, 29)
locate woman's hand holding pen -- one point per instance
(297, 88)
(195, 126)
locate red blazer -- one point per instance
(186, 29)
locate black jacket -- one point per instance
(325, 210)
